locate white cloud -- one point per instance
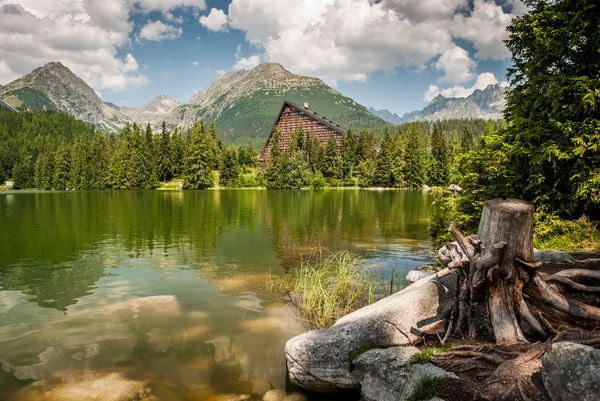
(349, 39)
(215, 21)
(172, 18)
(221, 72)
(247, 63)
(458, 67)
(157, 31)
(486, 28)
(195, 64)
(483, 81)
(85, 35)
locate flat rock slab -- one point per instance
(321, 360)
(572, 372)
(418, 274)
(388, 375)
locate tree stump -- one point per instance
(494, 268)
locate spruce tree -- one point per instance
(229, 171)
(297, 171)
(383, 176)
(80, 177)
(177, 153)
(415, 157)
(23, 174)
(164, 155)
(398, 155)
(349, 153)
(275, 173)
(62, 168)
(119, 164)
(332, 162)
(98, 162)
(199, 159)
(366, 146)
(439, 163)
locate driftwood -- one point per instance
(499, 280)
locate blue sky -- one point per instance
(394, 54)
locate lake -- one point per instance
(170, 288)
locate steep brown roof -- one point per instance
(311, 113)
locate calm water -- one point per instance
(169, 287)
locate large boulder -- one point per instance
(572, 372)
(321, 360)
(552, 256)
(388, 375)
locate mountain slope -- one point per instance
(245, 103)
(386, 115)
(488, 104)
(55, 87)
(153, 112)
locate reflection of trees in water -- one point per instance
(56, 245)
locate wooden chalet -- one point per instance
(293, 116)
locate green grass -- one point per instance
(551, 232)
(425, 355)
(326, 291)
(367, 347)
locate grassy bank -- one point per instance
(325, 291)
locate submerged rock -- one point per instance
(417, 274)
(112, 387)
(280, 395)
(321, 360)
(388, 375)
(572, 372)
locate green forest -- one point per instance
(546, 150)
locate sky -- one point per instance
(392, 54)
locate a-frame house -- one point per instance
(293, 116)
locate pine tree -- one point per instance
(439, 172)
(332, 161)
(62, 168)
(297, 139)
(23, 174)
(297, 171)
(216, 144)
(177, 153)
(199, 159)
(467, 143)
(164, 155)
(80, 177)
(119, 164)
(37, 172)
(415, 157)
(383, 176)
(275, 174)
(398, 155)
(229, 171)
(349, 153)
(98, 161)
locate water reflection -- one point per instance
(169, 288)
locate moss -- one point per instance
(431, 388)
(425, 355)
(367, 347)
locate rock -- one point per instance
(320, 360)
(417, 274)
(572, 372)
(280, 395)
(552, 256)
(112, 387)
(455, 188)
(387, 375)
(426, 188)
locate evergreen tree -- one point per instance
(275, 173)
(216, 144)
(62, 168)
(384, 165)
(80, 177)
(164, 155)
(297, 139)
(199, 159)
(349, 153)
(98, 162)
(332, 161)
(366, 146)
(121, 156)
(314, 153)
(398, 154)
(298, 174)
(229, 171)
(247, 154)
(37, 172)
(467, 143)
(23, 174)
(415, 158)
(177, 153)
(440, 159)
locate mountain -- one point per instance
(488, 104)
(55, 87)
(386, 115)
(245, 103)
(154, 112)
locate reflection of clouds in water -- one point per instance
(222, 346)
(9, 299)
(249, 302)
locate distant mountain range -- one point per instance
(243, 103)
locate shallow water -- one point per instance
(169, 288)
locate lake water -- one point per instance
(170, 288)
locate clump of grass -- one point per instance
(552, 232)
(324, 292)
(431, 388)
(425, 355)
(367, 347)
